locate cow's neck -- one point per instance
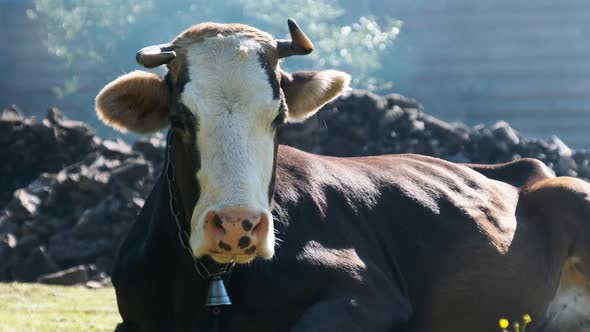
(188, 283)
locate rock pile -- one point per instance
(69, 197)
(30, 147)
(70, 218)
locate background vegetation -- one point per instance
(526, 62)
(111, 31)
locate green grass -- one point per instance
(40, 308)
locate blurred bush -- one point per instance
(109, 32)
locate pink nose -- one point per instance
(235, 230)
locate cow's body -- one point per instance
(388, 243)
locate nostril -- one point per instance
(247, 225)
(216, 224)
(217, 221)
(257, 227)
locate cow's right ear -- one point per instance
(307, 91)
(137, 102)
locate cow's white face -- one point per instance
(228, 78)
(231, 96)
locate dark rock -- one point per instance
(561, 148)
(390, 117)
(30, 148)
(567, 166)
(7, 244)
(73, 247)
(68, 131)
(8, 240)
(73, 276)
(114, 147)
(459, 157)
(152, 149)
(131, 172)
(12, 114)
(45, 225)
(395, 99)
(27, 244)
(24, 204)
(105, 281)
(37, 263)
(8, 225)
(104, 264)
(505, 133)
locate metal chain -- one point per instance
(183, 236)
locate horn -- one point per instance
(298, 45)
(156, 55)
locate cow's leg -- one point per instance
(350, 313)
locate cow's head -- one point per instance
(226, 95)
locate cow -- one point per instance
(317, 243)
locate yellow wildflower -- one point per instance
(526, 319)
(503, 323)
(516, 327)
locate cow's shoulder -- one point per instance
(411, 182)
(412, 174)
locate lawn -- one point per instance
(41, 308)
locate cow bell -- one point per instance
(217, 294)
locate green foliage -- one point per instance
(98, 32)
(356, 47)
(86, 29)
(70, 86)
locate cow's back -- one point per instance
(521, 173)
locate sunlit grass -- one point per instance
(40, 308)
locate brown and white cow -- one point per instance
(384, 243)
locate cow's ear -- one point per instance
(137, 102)
(306, 92)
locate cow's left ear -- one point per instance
(307, 91)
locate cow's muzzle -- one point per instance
(238, 234)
